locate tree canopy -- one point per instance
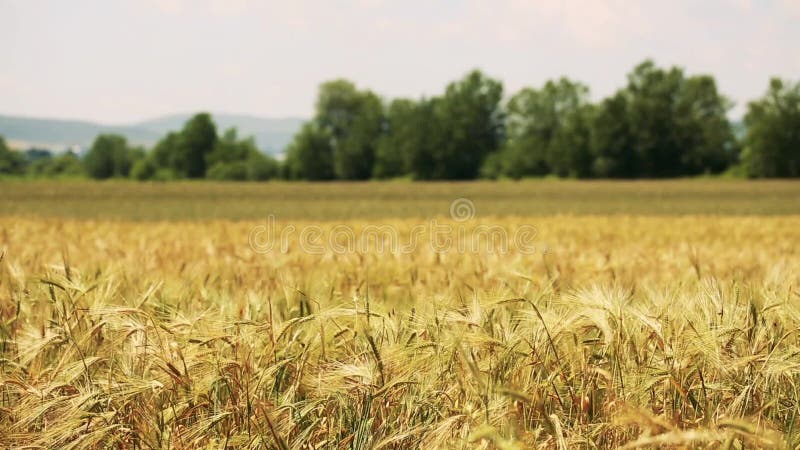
(310, 155)
(772, 142)
(547, 132)
(11, 162)
(663, 124)
(110, 156)
(467, 126)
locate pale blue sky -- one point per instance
(121, 61)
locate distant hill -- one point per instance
(272, 135)
(60, 134)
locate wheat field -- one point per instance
(632, 331)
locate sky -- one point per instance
(119, 61)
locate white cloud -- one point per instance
(228, 7)
(744, 5)
(168, 6)
(590, 24)
(214, 7)
(790, 6)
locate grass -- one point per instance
(336, 201)
(618, 330)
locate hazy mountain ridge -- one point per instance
(272, 135)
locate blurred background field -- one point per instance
(124, 200)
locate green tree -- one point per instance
(403, 136)
(11, 162)
(663, 124)
(613, 141)
(772, 139)
(354, 120)
(109, 156)
(230, 148)
(34, 154)
(707, 133)
(230, 171)
(652, 95)
(262, 167)
(184, 154)
(239, 159)
(199, 137)
(167, 155)
(425, 157)
(310, 155)
(66, 164)
(548, 131)
(466, 125)
(144, 169)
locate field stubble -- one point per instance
(125, 200)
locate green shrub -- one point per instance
(228, 171)
(144, 169)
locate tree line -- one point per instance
(662, 123)
(195, 151)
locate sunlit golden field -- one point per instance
(615, 331)
(621, 330)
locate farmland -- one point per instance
(370, 200)
(640, 314)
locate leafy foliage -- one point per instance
(238, 160)
(410, 141)
(110, 157)
(548, 132)
(663, 124)
(144, 169)
(354, 121)
(11, 162)
(310, 155)
(467, 126)
(199, 137)
(66, 164)
(772, 142)
(185, 152)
